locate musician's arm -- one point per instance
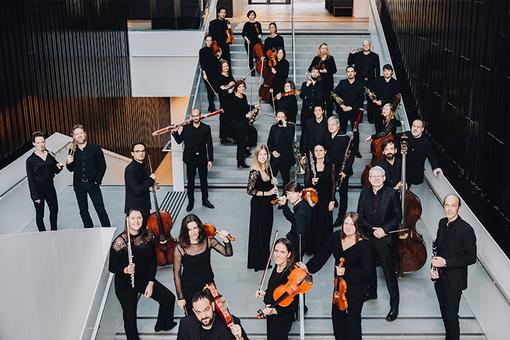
(116, 263)
(319, 259)
(178, 137)
(177, 273)
(209, 144)
(153, 261)
(101, 164)
(224, 249)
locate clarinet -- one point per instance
(130, 256)
(346, 157)
(434, 254)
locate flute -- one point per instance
(130, 255)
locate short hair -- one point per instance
(319, 105)
(37, 134)
(350, 66)
(313, 68)
(282, 111)
(207, 36)
(77, 126)
(421, 120)
(334, 119)
(454, 195)
(388, 67)
(138, 143)
(377, 169)
(239, 83)
(293, 186)
(274, 24)
(250, 12)
(203, 294)
(292, 84)
(218, 10)
(386, 142)
(196, 109)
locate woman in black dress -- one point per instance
(239, 112)
(41, 169)
(279, 319)
(321, 177)
(262, 190)
(274, 41)
(287, 100)
(252, 34)
(390, 123)
(280, 71)
(143, 267)
(192, 259)
(327, 68)
(225, 87)
(210, 66)
(356, 272)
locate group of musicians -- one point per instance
(366, 238)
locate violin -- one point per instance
(160, 224)
(230, 34)
(339, 297)
(298, 282)
(271, 57)
(291, 93)
(310, 195)
(221, 306)
(211, 231)
(215, 48)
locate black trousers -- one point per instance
(278, 326)
(384, 254)
(240, 126)
(306, 114)
(449, 300)
(283, 167)
(94, 191)
(225, 52)
(49, 195)
(342, 197)
(210, 95)
(346, 117)
(347, 324)
(128, 298)
(191, 170)
(375, 117)
(251, 55)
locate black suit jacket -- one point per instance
(280, 139)
(189, 329)
(389, 214)
(196, 140)
(456, 243)
(95, 165)
(138, 183)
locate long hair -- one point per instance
(355, 219)
(388, 119)
(319, 49)
(286, 242)
(184, 239)
(262, 168)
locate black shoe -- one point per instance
(242, 165)
(211, 109)
(338, 222)
(247, 153)
(207, 204)
(165, 328)
(358, 155)
(393, 314)
(190, 206)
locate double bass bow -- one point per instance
(160, 224)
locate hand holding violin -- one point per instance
(269, 311)
(315, 180)
(340, 271)
(225, 236)
(236, 331)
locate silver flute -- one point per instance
(130, 255)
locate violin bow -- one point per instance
(268, 260)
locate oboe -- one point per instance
(130, 255)
(346, 157)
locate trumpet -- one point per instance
(300, 170)
(72, 150)
(337, 99)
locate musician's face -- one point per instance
(272, 29)
(208, 41)
(417, 128)
(195, 116)
(280, 116)
(287, 87)
(204, 311)
(262, 156)
(323, 50)
(315, 73)
(319, 152)
(225, 67)
(281, 254)
(39, 143)
(193, 231)
(135, 220)
(387, 73)
(292, 196)
(318, 112)
(376, 178)
(280, 54)
(333, 126)
(348, 226)
(79, 136)
(252, 16)
(222, 14)
(451, 206)
(366, 45)
(351, 73)
(138, 152)
(386, 110)
(241, 88)
(389, 151)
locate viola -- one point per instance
(211, 231)
(340, 290)
(230, 34)
(298, 282)
(160, 224)
(221, 306)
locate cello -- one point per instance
(221, 306)
(411, 247)
(160, 224)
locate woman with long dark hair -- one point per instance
(280, 71)
(286, 100)
(357, 272)
(279, 319)
(192, 259)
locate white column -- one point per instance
(360, 9)
(178, 112)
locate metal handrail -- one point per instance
(293, 42)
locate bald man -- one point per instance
(366, 62)
(454, 250)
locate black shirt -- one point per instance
(351, 94)
(419, 149)
(330, 66)
(222, 80)
(289, 104)
(367, 65)
(280, 139)
(273, 43)
(391, 127)
(252, 30)
(236, 108)
(312, 94)
(379, 210)
(40, 174)
(393, 172)
(197, 142)
(191, 329)
(137, 188)
(385, 90)
(89, 165)
(336, 147)
(301, 222)
(217, 30)
(280, 77)
(315, 134)
(209, 63)
(276, 279)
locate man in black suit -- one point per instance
(366, 62)
(138, 183)
(379, 213)
(454, 251)
(88, 166)
(279, 143)
(206, 323)
(198, 153)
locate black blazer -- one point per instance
(137, 188)
(280, 139)
(95, 165)
(189, 329)
(199, 138)
(389, 215)
(456, 243)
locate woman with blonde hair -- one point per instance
(326, 65)
(390, 123)
(262, 190)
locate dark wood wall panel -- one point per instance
(64, 62)
(452, 58)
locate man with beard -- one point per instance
(312, 93)
(206, 323)
(419, 148)
(392, 165)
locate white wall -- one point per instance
(360, 9)
(49, 282)
(163, 63)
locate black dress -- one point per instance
(251, 30)
(195, 262)
(261, 221)
(289, 105)
(279, 324)
(274, 43)
(280, 77)
(236, 109)
(322, 218)
(144, 257)
(327, 78)
(358, 267)
(224, 95)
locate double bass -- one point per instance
(411, 247)
(160, 224)
(265, 93)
